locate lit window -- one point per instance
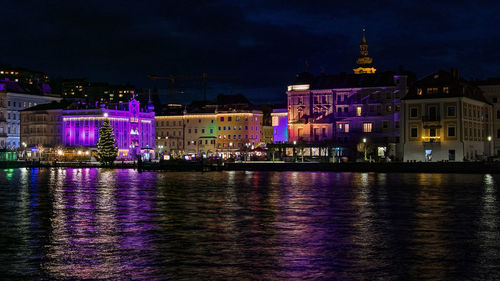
(419, 91)
(446, 90)
(275, 121)
(367, 127)
(358, 111)
(432, 90)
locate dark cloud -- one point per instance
(253, 47)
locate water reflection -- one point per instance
(119, 224)
(488, 231)
(98, 227)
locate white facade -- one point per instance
(492, 94)
(10, 105)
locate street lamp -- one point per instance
(364, 142)
(491, 151)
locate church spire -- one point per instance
(364, 62)
(151, 108)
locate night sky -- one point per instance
(250, 47)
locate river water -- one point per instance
(92, 224)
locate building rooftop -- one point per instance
(488, 82)
(434, 85)
(344, 80)
(49, 106)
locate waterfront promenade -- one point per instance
(399, 167)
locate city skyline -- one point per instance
(251, 48)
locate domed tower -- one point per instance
(364, 62)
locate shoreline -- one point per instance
(393, 167)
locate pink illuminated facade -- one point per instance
(133, 127)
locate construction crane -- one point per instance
(173, 78)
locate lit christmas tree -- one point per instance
(106, 149)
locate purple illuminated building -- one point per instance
(280, 125)
(133, 127)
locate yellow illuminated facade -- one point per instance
(237, 131)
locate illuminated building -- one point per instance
(280, 125)
(41, 125)
(446, 119)
(344, 109)
(34, 82)
(223, 133)
(83, 90)
(13, 98)
(192, 134)
(77, 125)
(238, 131)
(266, 135)
(491, 91)
(133, 127)
(364, 61)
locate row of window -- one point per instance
(236, 137)
(432, 132)
(40, 118)
(433, 90)
(9, 143)
(40, 130)
(199, 142)
(162, 123)
(231, 145)
(323, 99)
(173, 133)
(20, 104)
(13, 131)
(344, 127)
(451, 111)
(202, 131)
(230, 118)
(371, 108)
(224, 128)
(451, 132)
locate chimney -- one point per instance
(454, 74)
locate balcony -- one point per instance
(428, 139)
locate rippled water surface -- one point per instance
(124, 225)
